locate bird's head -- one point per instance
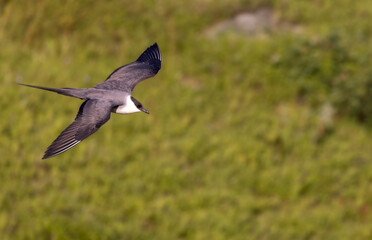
(139, 105)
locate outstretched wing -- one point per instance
(128, 76)
(91, 116)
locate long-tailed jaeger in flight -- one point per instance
(112, 95)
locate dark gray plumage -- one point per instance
(112, 95)
(125, 78)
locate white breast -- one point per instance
(129, 107)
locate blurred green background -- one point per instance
(260, 124)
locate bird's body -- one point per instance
(112, 95)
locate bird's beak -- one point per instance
(144, 110)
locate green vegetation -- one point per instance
(263, 136)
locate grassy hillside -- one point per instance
(263, 135)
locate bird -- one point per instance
(114, 95)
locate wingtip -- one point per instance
(151, 53)
(54, 150)
(47, 155)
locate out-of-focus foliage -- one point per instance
(341, 69)
(250, 136)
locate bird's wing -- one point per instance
(91, 116)
(128, 76)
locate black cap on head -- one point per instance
(139, 105)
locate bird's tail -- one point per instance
(72, 92)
